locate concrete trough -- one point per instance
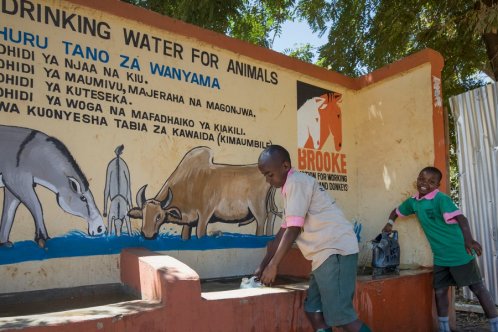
(170, 296)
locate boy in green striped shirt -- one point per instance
(452, 245)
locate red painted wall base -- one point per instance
(172, 301)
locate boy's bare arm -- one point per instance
(470, 243)
(270, 252)
(392, 217)
(289, 236)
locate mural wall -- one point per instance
(74, 97)
(121, 128)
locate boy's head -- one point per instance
(428, 180)
(274, 163)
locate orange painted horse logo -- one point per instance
(318, 118)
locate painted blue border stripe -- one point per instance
(76, 244)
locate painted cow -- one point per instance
(29, 157)
(200, 192)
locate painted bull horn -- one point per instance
(168, 199)
(141, 196)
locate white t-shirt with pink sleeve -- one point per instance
(324, 228)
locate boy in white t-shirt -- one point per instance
(324, 236)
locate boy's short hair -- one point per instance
(433, 170)
(278, 151)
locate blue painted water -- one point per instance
(77, 243)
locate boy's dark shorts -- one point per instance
(462, 275)
(331, 290)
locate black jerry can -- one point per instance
(385, 254)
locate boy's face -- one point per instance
(274, 171)
(427, 182)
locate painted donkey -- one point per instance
(29, 157)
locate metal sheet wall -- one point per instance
(476, 115)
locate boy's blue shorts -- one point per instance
(331, 290)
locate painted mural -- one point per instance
(201, 191)
(118, 192)
(198, 192)
(319, 132)
(99, 114)
(31, 158)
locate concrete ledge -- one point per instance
(240, 293)
(396, 303)
(172, 301)
(70, 319)
(177, 286)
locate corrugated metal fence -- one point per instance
(476, 116)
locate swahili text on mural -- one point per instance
(147, 84)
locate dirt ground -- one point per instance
(469, 321)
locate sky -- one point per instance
(295, 34)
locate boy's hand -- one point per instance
(269, 274)
(388, 228)
(258, 272)
(473, 245)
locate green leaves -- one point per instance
(363, 35)
(255, 21)
(303, 52)
(484, 19)
(210, 14)
(259, 22)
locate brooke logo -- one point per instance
(318, 117)
(319, 136)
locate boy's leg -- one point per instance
(485, 299)
(469, 275)
(442, 280)
(442, 305)
(442, 301)
(487, 304)
(316, 320)
(336, 279)
(313, 306)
